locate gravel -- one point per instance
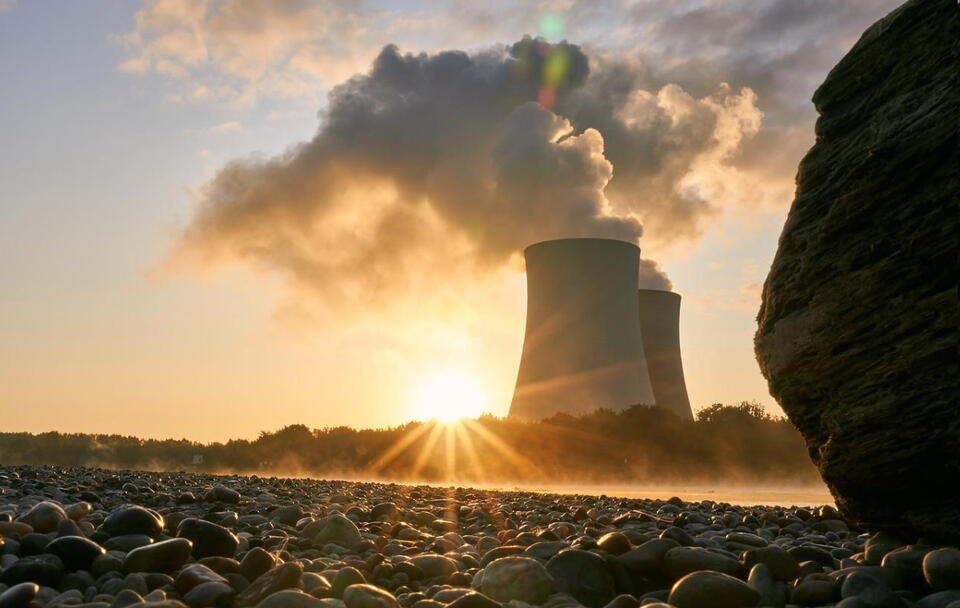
(105, 539)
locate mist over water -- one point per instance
(735, 454)
(801, 496)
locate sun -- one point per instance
(448, 395)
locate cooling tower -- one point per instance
(660, 328)
(582, 349)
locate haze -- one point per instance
(199, 242)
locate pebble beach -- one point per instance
(108, 539)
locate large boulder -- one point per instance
(857, 331)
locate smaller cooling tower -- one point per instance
(660, 328)
(582, 349)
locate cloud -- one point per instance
(237, 50)
(431, 160)
(446, 165)
(230, 126)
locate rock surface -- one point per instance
(857, 332)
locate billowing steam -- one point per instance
(457, 161)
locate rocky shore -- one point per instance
(108, 539)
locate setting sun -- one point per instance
(448, 395)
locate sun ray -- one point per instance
(398, 448)
(572, 381)
(471, 450)
(450, 451)
(499, 445)
(426, 450)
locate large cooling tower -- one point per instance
(660, 328)
(582, 349)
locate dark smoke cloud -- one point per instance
(457, 161)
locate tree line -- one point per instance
(739, 443)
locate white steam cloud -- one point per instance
(453, 162)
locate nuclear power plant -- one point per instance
(593, 339)
(660, 332)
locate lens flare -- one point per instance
(555, 69)
(552, 27)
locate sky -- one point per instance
(226, 216)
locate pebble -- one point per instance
(681, 561)
(108, 539)
(708, 589)
(133, 520)
(283, 576)
(517, 578)
(433, 565)
(614, 543)
(583, 575)
(869, 590)
(290, 598)
(212, 593)
(19, 595)
(44, 516)
(762, 581)
(209, 539)
(781, 564)
(368, 596)
(126, 597)
(475, 600)
(813, 592)
(344, 578)
(195, 575)
(222, 494)
(164, 556)
(256, 561)
(941, 569)
(336, 529)
(41, 569)
(76, 552)
(127, 542)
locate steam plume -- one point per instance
(455, 160)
